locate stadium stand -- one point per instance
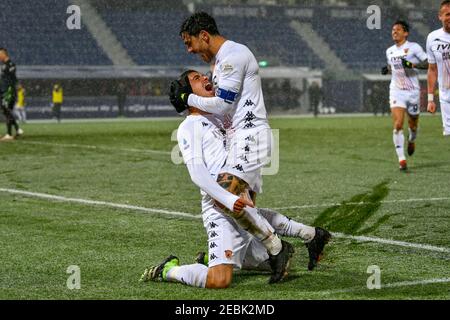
(36, 34)
(356, 45)
(149, 46)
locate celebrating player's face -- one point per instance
(398, 33)
(198, 45)
(200, 85)
(444, 16)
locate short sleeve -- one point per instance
(430, 54)
(232, 70)
(419, 53)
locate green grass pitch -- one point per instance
(323, 162)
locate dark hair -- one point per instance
(4, 49)
(404, 24)
(185, 74)
(197, 22)
(444, 3)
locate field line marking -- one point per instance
(189, 215)
(67, 145)
(388, 285)
(306, 206)
(98, 203)
(392, 242)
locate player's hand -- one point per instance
(384, 70)
(240, 204)
(179, 94)
(406, 64)
(431, 107)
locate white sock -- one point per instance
(288, 227)
(399, 141)
(412, 135)
(260, 228)
(192, 275)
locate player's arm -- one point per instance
(202, 178)
(190, 143)
(420, 55)
(431, 84)
(231, 71)
(423, 65)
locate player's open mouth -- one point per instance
(209, 87)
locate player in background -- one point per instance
(438, 50)
(57, 100)
(8, 94)
(201, 141)
(403, 58)
(20, 106)
(238, 98)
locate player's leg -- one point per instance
(413, 110)
(413, 128)
(13, 116)
(285, 226)
(23, 114)
(445, 113)
(315, 238)
(7, 114)
(398, 116)
(226, 245)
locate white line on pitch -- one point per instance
(97, 203)
(189, 215)
(392, 242)
(66, 145)
(306, 206)
(388, 285)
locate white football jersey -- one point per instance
(438, 50)
(201, 138)
(236, 79)
(404, 79)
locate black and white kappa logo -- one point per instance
(247, 148)
(205, 124)
(238, 167)
(212, 225)
(213, 234)
(213, 245)
(244, 158)
(212, 257)
(248, 103)
(249, 117)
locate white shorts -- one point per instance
(445, 113)
(228, 243)
(249, 150)
(409, 100)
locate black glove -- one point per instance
(406, 64)
(8, 96)
(179, 93)
(385, 70)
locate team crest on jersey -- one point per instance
(226, 68)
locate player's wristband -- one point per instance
(430, 97)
